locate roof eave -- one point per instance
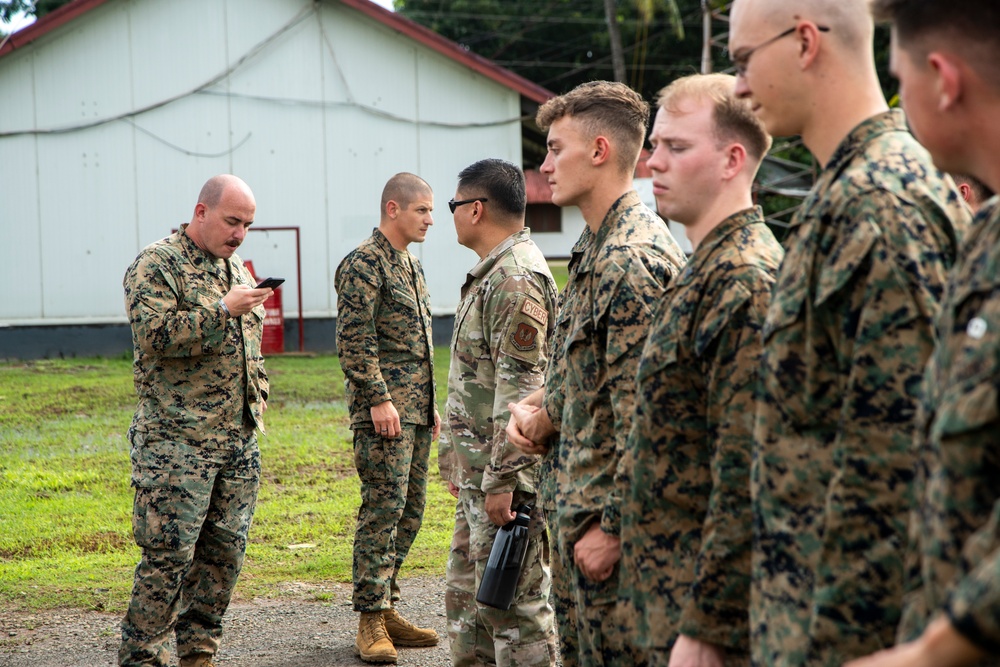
(47, 23)
(446, 47)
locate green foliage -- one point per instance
(562, 43)
(65, 500)
(37, 8)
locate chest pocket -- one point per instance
(846, 257)
(403, 298)
(199, 296)
(720, 315)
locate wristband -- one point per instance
(225, 308)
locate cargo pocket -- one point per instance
(154, 520)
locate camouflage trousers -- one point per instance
(590, 623)
(393, 474)
(523, 635)
(562, 599)
(191, 516)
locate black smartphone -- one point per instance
(270, 282)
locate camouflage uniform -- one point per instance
(498, 356)
(686, 524)
(195, 462)
(604, 316)
(845, 342)
(958, 522)
(561, 594)
(386, 350)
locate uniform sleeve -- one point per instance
(516, 322)
(163, 322)
(974, 604)
(357, 283)
(635, 292)
(729, 346)
(555, 377)
(878, 293)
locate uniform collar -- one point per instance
(855, 142)
(486, 263)
(615, 217)
(892, 120)
(202, 259)
(395, 256)
(716, 237)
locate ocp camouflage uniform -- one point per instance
(686, 523)
(845, 343)
(602, 324)
(958, 522)
(386, 351)
(201, 383)
(498, 356)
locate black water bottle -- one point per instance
(503, 569)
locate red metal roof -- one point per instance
(427, 37)
(48, 23)
(642, 169)
(537, 186)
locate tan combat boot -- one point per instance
(373, 643)
(197, 660)
(404, 633)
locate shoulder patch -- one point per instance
(535, 312)
(523, 337)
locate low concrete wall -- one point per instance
(112, 340)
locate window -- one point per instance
(543, 218)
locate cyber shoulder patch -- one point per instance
(535, 312)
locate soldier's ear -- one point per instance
(735, 158)
(391, 209)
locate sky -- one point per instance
(22, 20)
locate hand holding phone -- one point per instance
(270, 282)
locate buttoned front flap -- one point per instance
(792, 287)
(621, 298)
(848, 254)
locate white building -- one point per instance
(114, 112)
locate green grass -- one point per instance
(65, 500)
(560, 271)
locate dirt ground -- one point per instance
(294, 631)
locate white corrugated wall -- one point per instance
(314, 105)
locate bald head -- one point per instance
(211, 193)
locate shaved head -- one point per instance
(404, 188)
(849, 21)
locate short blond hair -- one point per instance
(604, 108)
(734, 118)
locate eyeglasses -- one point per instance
(741, 61)
(452, 204)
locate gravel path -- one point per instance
(294, 631)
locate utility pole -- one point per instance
(706, 37)
(617, 53)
